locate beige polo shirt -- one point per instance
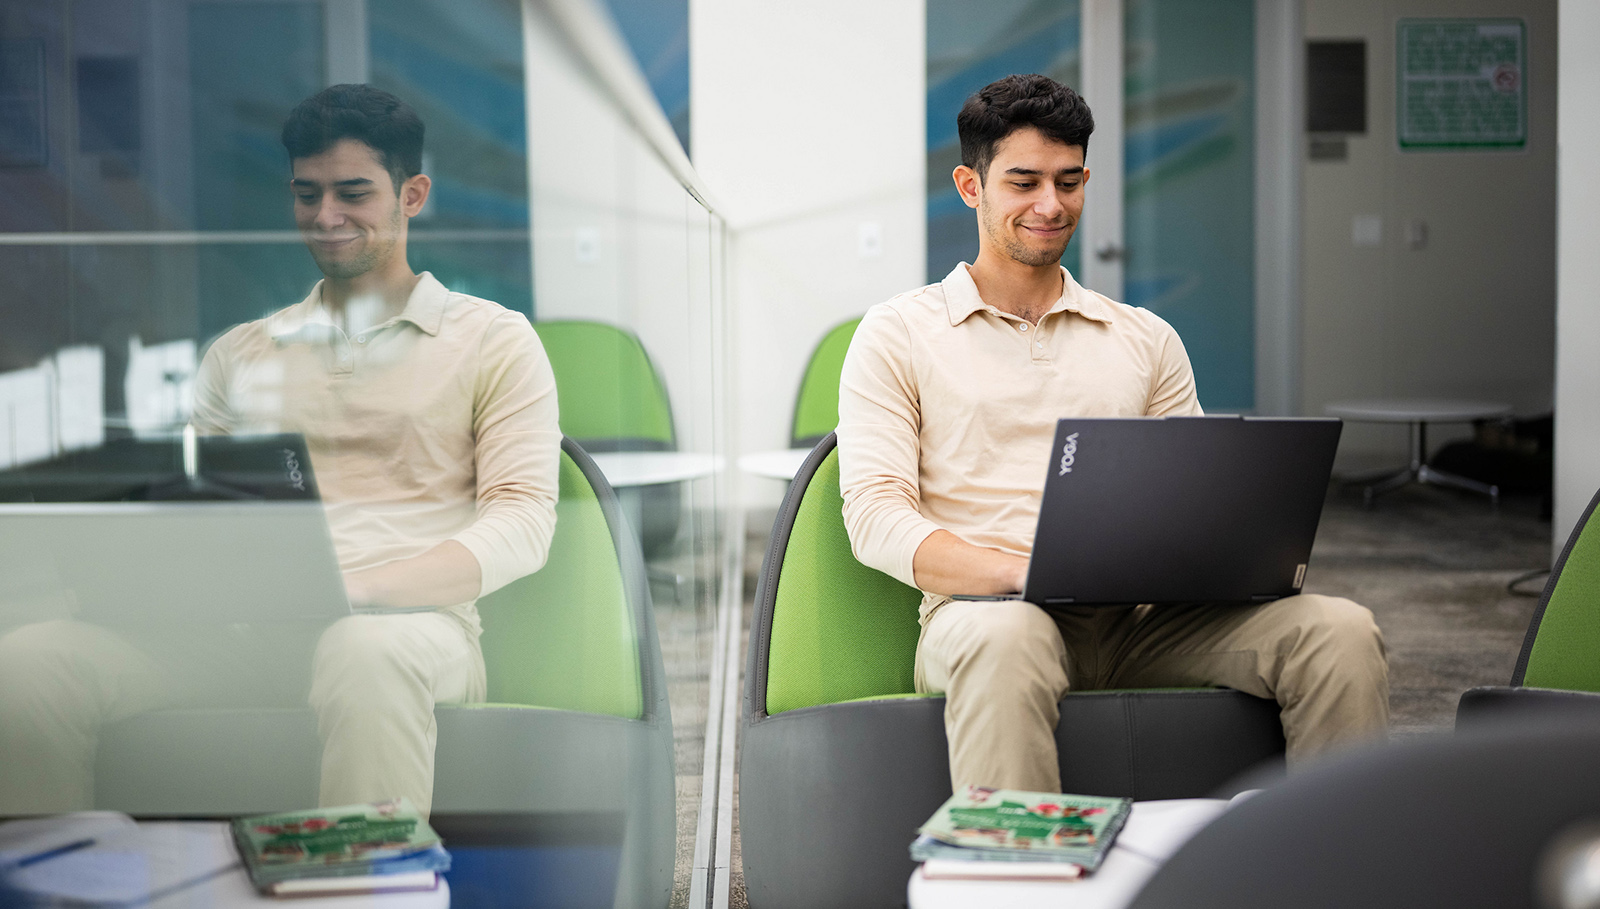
(948, 406)
(439, 424)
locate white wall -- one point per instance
(615, 237)
(1578, 269)
(808, 121)
(1472, 315)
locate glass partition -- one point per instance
(401, 479)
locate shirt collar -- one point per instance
(424, 309)
(962, 300)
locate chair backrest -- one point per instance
(826, 628)
(1399, 827)
(816, 408)
(577, 634)
(1562, 647)
(611, 395)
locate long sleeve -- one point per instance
(517, 449)
(879, 424)
(211, 414)
(1172, 391)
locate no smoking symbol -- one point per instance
(1506, 78)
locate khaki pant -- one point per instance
(1004, 665)
(373, 682)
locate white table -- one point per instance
(1153, 833)
(781, 464)
(209, 845)
(649, 468)
(1418, 413)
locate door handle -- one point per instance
(1109, 251)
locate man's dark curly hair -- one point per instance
(1002, 107)
(385, 123)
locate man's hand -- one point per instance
(947, 564)
(443, 576)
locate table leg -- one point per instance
(1394, 481)
(1442, 478)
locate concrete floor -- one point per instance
(1433, 566)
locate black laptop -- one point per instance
(212, 530)
(1180, 510)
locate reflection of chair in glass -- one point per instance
(816, 408)
(577, 719)
(840, 762)
(612, 399)
(1559, 668)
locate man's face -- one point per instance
(347, 209)
(1031, 201)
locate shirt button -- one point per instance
(362, 339)
(1038, 343)
(1022, 327)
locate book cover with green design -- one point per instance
(1016, 825)
(380, 838)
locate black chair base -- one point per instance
(831, 796)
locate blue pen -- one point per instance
(52, 853)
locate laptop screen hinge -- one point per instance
(1265, 597)
(1060, 601)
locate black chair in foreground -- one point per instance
(1472, 821)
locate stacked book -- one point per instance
(378, 848)
(1011, 833)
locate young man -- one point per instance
(430, 418)
(947, 409)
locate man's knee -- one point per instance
(46, 655)
(1003, 637)
(368, 649)
(1339, 629)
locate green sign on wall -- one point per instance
(1461, 84)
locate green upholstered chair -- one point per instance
(576, 719)
(816, 407)
(612, 399)
(840, 760)
(1559, 667)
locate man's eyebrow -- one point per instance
(354, 181)
(1030, 172)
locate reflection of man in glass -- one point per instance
(431, 421)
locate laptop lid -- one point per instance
(135, 533)
(1180, 509)
(224, 468)
(140, 564)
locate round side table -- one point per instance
(1418, 413)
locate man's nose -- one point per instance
(329, 215)
(1048, 205)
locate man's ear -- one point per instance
(967, 184)
(414, 194)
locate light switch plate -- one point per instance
(1366, 230)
